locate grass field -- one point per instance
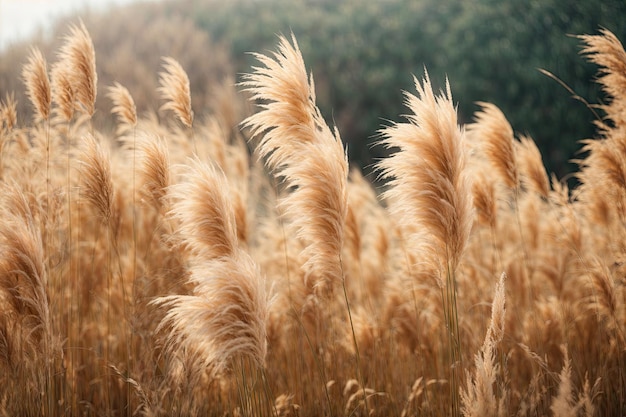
(188, 265)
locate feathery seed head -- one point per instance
(428, 183)
(35, 74)
(154, 169)
(204, 211)
(79, 57)
(95, 169)
(8, 112)
(531, 166)
(63, 91)
(496, 135)
(498, 309)
(298, 146)
(289, 117)
(226, 316)
(175, 91)
(123, 106)
(607, 51)
(484, 198)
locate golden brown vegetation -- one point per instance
(166, 271)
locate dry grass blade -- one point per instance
(175, 91)
(479, 397)
(35, 74)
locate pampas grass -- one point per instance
(35, 74)
(429, 188)
(292, 128)
(135, 280)
(496, 134)
(532, 171)
(98, 190)
(224, 319)
(63, 92)
(8, 112)
(154, 170)
(28, 336)
(175, 91)
(428, 184)
(479, 397)
(607, 51)
(79, 59)
(123, 107)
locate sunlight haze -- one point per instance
(22, 18)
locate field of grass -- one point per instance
(189, 265)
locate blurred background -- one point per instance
(362, 53)
(20, 19)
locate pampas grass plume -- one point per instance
(22, 267)
(35, 75)
(123, 106)
(204, 212)
(288, 109)
(63, 92)
(95, 169)
(428, 184)
(492, 129)
(563, 404)
(484, 198)
(174, 89)
(8, 111)
(154, 169)
(608, 53)
(225, 317)
(531, 166)
(298, 146)
(318, 209)
(79, 56)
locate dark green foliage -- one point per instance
(362, 54)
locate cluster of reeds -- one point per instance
(185, 266)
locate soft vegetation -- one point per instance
(187, 265)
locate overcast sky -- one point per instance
(21, 18)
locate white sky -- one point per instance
(21, 18)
